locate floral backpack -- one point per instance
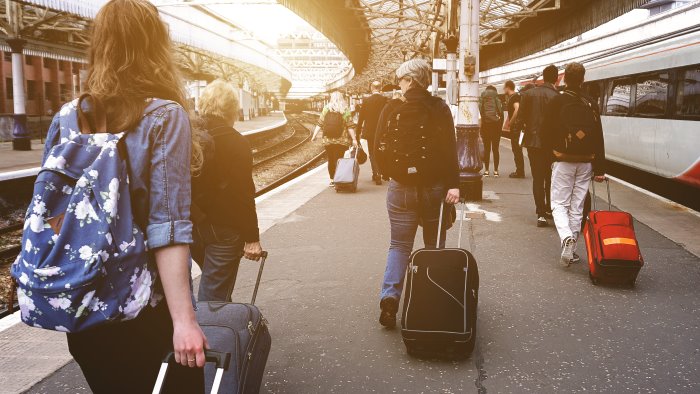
(83, 261)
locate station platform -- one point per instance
(542, 328)
(12, 160)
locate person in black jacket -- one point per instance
(573, 133)
(532, 113)
(418, 188)
(225, 221)
(367, 124)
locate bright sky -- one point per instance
(267, 21)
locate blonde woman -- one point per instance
(338, 130)
(131, 77)
(224, 196)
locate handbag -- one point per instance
(361, 155)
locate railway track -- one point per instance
(264, 157)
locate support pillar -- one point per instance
(451, 91)
(467, 122)
(21, 139)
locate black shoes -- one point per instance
(516, 175)
(548, 215)
(377, 179)
(389, 307)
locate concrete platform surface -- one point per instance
(19, 160)
(542, 328)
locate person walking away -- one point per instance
(338, 130)
(572, 131)
(132, 87)
(511, 126)
(491, 110)
(226, 227)
(532, 111)
(367, 124)
(422, 165)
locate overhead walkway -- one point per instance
(542, 328)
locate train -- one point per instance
(647, 91)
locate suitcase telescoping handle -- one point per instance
(461, 221)
(607, 183)
(222, 361)
(263, 257)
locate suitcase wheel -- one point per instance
(593, 280)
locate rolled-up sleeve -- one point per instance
(170, 192)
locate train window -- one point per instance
(652, 95)
(689, 93)
(592, 89)
(619, 99)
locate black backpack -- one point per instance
(579, 121)
(408, 141)
(333, 124)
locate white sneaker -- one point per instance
(567, 251)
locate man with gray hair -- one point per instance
(367, 124)
(573, 133)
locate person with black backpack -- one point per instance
(223, 197)
(491, 110)
(416, 139)
(338, 130)
(573, 133)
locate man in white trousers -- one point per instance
(573, 133)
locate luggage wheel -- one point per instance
(593, 280)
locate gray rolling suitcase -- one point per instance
(440, 301)
(221, 360)
(346, 174)
(241, 330)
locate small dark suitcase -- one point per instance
(241, 330)
(613, 250)
(347, 171)
(440, 301)
(221, 360)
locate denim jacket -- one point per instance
(158, 151)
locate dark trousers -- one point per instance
(517, 152)
(125, 357)
(541, 168)
(491, 136)
(217, 249)
(333, 153)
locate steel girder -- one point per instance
(62, 26)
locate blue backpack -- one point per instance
(84, 259)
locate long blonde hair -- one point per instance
(337, 103)
(130, 60)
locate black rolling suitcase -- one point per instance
(440, 300)
(241, 330)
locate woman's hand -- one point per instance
(354, 143)
(599, 178)
(189, 343)
(452, 196)
(252, 250)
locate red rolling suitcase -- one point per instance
(613, 250)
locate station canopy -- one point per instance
(298, 48)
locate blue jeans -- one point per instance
(217, 250)
(407, 205)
